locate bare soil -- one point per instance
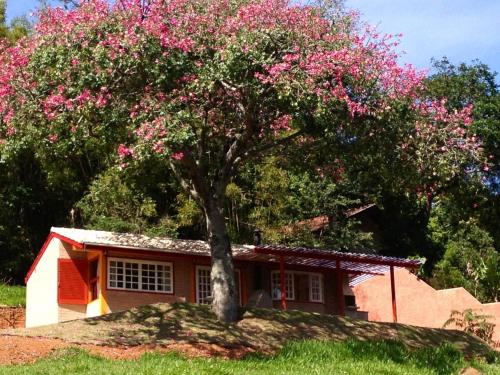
(12, 317)
(21, 350)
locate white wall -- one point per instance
(41, 289)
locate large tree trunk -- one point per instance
(222, 276)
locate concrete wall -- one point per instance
(417, 302)
(41, 289)
(42, 307)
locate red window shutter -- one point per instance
(72, 281)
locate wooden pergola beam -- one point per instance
(393, 297)
(282, 283)
(331, 255)
(340, 290)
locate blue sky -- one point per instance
(462, 30)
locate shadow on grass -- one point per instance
(262, 330)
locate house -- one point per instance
(419, 304)
(84, 273)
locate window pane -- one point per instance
(140, 276)
(276, 285)
(315, 288)
(203, 285)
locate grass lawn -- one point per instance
(12, 295)
(306, 357)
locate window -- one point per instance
(140, 275)
(315, 287)
(276, 285)
(350, 301)
(204, 286)
(299, 286)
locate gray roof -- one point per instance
(141, 242)
(240, 252)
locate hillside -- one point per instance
(260, 330)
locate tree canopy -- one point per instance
(206, 86)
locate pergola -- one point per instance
(352, 263)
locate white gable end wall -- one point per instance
(41, 289)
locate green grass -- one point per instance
(12, 295)
(306, 357)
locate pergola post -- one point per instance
(282, 283)
(393, 296)
(340, 289)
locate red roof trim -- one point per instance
(76, 244)
(44, 247)
(301, 252)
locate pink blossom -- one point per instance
(124, 151)
(282, 123)
(178, 155)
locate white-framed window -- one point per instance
(314, 281)
(204, 285)
(315, 287)
(140, 275)
(276, 285)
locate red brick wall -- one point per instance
(182, 268)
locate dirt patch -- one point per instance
(12, 317)
(191, 350)
(14, 350)
(21, 350)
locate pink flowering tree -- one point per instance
(206, 85)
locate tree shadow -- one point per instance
(261, 330)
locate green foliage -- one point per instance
(30, 206)
(112, 204)
(270, 193)
(166, 227)
(18, 28)
(470, 261)
(352, 357)
(12, 295)
(278, 193)
(188, 212)
(472, 322)
(472, 84)
(461, 85)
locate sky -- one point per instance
(462, 30)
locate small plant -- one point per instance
(472, 322)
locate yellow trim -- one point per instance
(102, 284)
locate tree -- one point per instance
(470, 261)
(18, 28)
(466, 84)
(208, 85)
